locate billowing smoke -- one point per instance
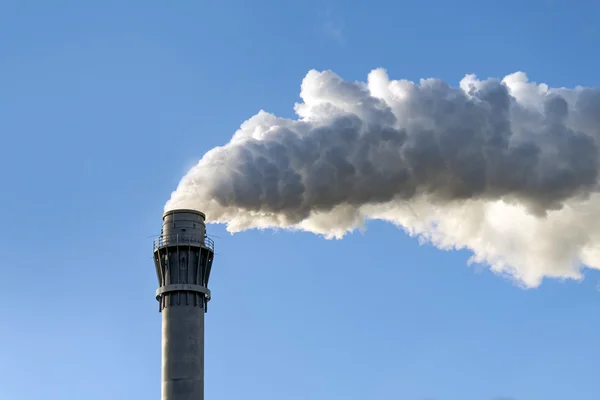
(505, 168)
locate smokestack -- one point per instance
(506, 168)
(183, 257)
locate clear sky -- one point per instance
(104, 105)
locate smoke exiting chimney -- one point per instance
(505, 168)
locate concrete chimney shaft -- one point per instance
(183, 257)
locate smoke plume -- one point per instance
(505, 168)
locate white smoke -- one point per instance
(507, 169)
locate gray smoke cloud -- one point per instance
(505, 168)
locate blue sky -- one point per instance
(104, 105)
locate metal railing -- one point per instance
(183, 240)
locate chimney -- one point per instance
(183, 256)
